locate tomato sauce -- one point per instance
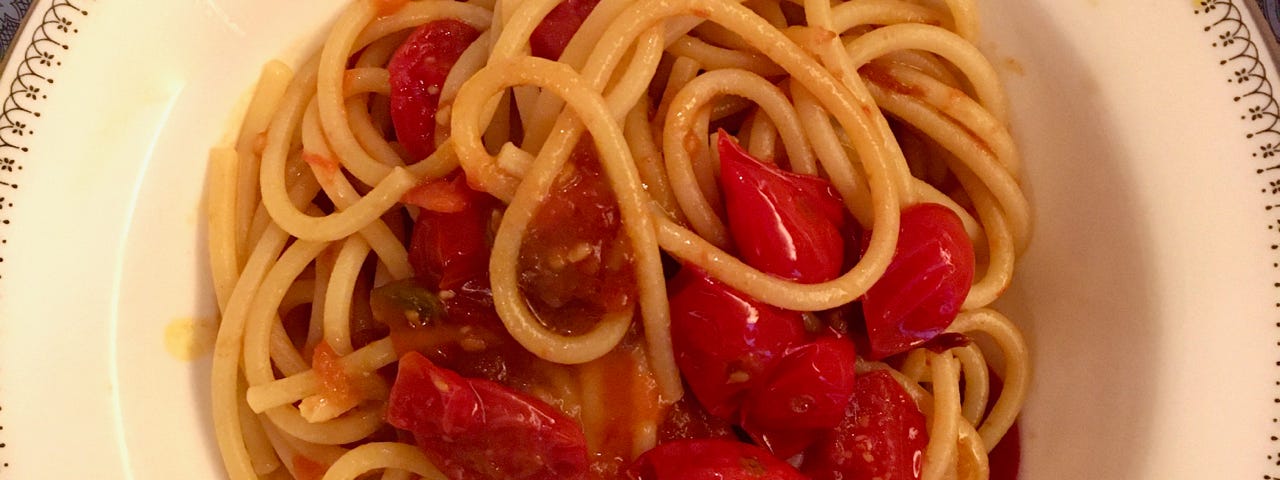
(575, 262)
(628, 399)
(307, 469)
(1006, 459)
(337, 387)
(687, 419)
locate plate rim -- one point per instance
(1244, 59)
(30, 62)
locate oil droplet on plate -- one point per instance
(187, 339)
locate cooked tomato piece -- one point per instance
(558, 27)
(710, 459)
(783, 223)
(418, 70)
(926, 282)
(882, 437)
(477, 429)
(726, 343)
(336, 386)
(806, 394)
(449, 249)
(576, 262)
(809, 388)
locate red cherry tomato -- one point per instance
(558, 27)
(1006, 458)
(478, 430)
(807, 392)
(808, 389)
(726, 342)
(783, 223)
(710, 459)
(418, 69)
(452, 248)
(925, 284)
(883, 436)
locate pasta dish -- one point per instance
(644, 239)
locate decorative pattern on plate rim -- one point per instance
(1241, 58)
(50, 31)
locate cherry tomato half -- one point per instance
(926, 283)
(418, 69)
(806, 394)
(475, 429)
(883, 436)
(451, 248)
(783, 223)
(726, 342)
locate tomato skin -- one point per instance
(726, 342)
(477, 429)
(883, 436)
(710, 459)
(450, 249)
(809, 388)
(558, 27)
(418, 69)
(783, 223)
(925, 284)
(807, 393)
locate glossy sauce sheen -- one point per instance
(576, 262)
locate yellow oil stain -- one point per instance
(187, 339)
(1014, 66)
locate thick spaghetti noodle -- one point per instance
(579, 131)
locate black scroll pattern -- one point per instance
(1229, 33)
(37, 58)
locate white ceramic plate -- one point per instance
(1150, 293)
